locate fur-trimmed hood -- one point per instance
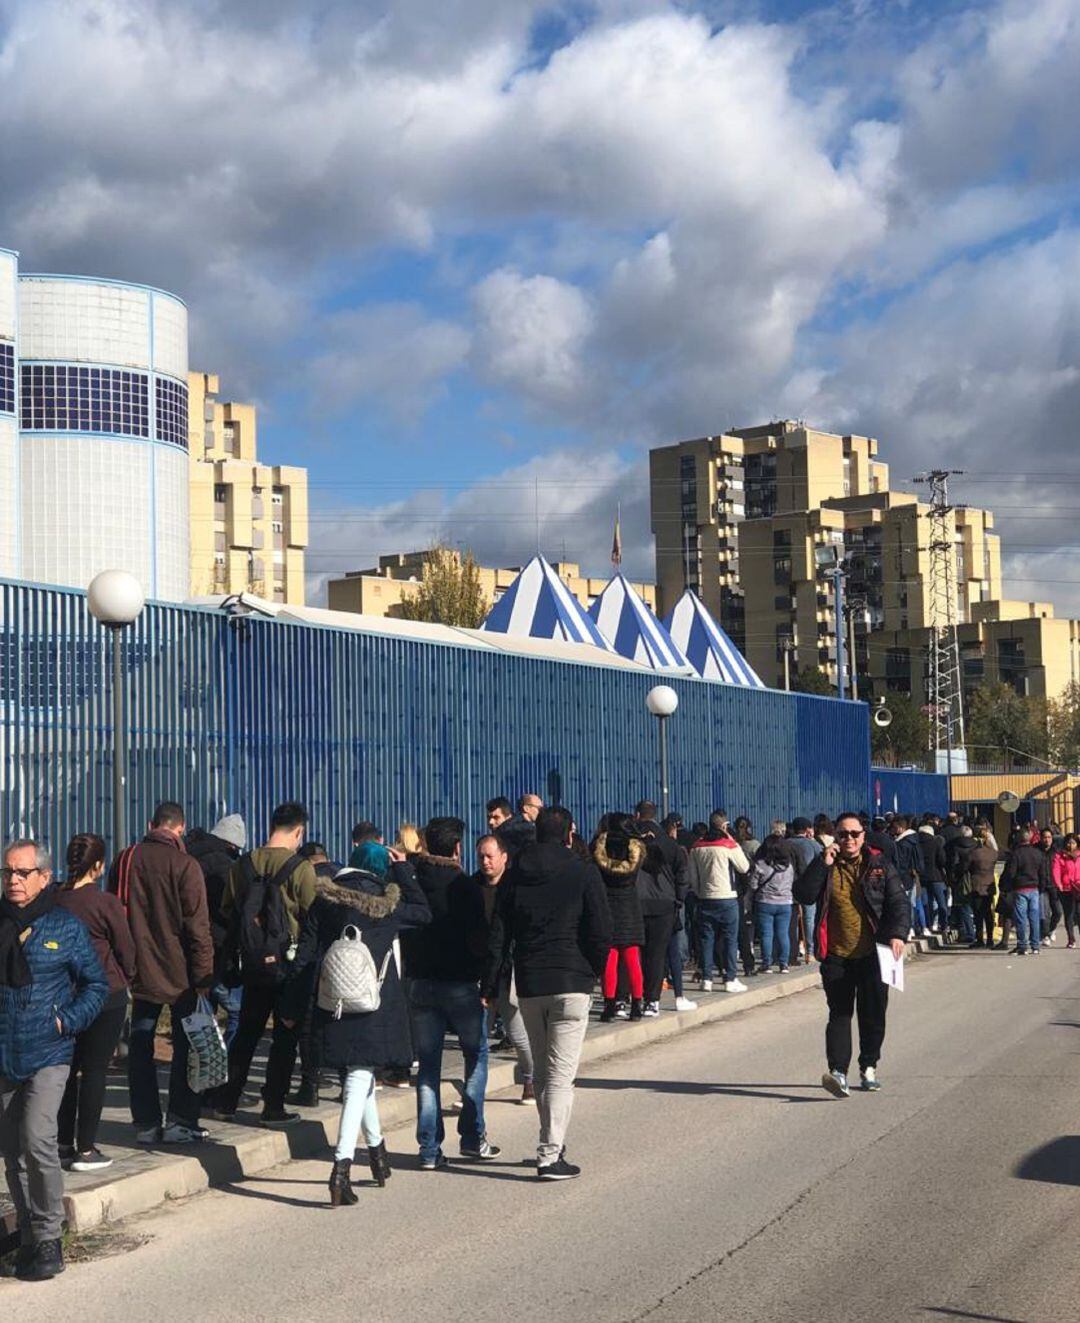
(371, 905)
(623, 869)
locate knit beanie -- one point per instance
(231, 828)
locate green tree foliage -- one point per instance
(1063, 723)
(809, 680)
(907, 739)
(998, 717)
(450, 591)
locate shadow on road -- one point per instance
(728, 1090)
(1058, 1162)
(945, 1312)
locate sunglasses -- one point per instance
(21, 873)
(849, 835)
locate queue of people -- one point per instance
(364, 970)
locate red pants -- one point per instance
(631, 956)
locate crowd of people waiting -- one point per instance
(512, 948)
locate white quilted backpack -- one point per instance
(349, 983)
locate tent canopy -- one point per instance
(539, 605)
(709, 650)
(626, 621)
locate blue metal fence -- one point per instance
(896, 790)
(235, 715)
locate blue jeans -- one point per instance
(437, 1008)
(227, 1000)
(183, 1105)
(719, 918)
(967, 919)
(1026, 916)
(359, 1109)
(809, 918)
(938, 898)
(918, 910)
(774, 931)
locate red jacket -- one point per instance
(1067, 873)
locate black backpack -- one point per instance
(263, 936)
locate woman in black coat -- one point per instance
(619, 855)
(358, 1045)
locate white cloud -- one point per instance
(531, 335)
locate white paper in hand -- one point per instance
(892, 970)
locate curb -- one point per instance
(241, 1151)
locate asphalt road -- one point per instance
(719, 1183)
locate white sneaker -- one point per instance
(868, 1080)
(835, 1082)
(1046, 941)
(1053, 937)
(652, 1008)
(706, 985)
(685, 1004)
(622, 1011)
(735, 986)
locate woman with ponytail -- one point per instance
(106, 921)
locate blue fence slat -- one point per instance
(897, 790)
(237, 714)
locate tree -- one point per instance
(450, 591)
(809, 680)
(906, 739)
(1063, 727)
(1000, 718)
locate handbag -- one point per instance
(349, 983)
(208, 1060)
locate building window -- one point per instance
(59, 398)
(7, 377)
(172, 412)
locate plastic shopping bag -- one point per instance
(208, 1061)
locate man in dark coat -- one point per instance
(520, 830)
(444, 962)
(215, 852)
(163, 890)
(861, 901)
(552, 924)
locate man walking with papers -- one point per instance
(861, 903)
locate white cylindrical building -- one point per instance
(99, 460)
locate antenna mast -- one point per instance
(946, 693)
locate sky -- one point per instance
(473, 260)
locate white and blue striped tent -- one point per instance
(539, 605)
(626, 621)
(709, 650)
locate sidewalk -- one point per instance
(141, 1179)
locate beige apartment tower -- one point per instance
(739, 517)
(249, 521)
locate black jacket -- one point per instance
(380, 910)
(883, 890)
(620, 878)
(956, 856)
(551, 922)
(215, 857)
(452, 948)
(931, 858)
(1025, 868)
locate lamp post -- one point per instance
(662, 701)
(115, 599)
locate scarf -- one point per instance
(15, 970)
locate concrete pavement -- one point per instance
(719, 1183)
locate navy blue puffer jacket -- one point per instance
(68, 984)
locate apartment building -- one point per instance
(249, 521)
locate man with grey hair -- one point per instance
(52, 987)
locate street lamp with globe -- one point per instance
(662, 701)
(116, 599)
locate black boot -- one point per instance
(307, 1095)
(637, 1008)
(608, 1013)
(23, 1258)
(48, 1261)
(379, 1163)
(341, 1190)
